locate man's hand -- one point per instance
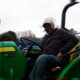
(60, 55)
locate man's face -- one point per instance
(48, 27)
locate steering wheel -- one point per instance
(32, 43)
(30, 47)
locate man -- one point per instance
(55, 44)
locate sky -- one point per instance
(24, 15)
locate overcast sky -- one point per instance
(22, 15)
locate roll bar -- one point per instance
(72, 2)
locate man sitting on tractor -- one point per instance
(55, 44)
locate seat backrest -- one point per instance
(73, 56)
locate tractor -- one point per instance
(13, 62)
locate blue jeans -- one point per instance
(43, 65)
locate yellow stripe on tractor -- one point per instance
(7, 49)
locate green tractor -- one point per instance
(13, 63)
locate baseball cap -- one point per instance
(47, 22)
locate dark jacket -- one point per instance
(58, 41)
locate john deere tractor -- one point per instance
(13, 62)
